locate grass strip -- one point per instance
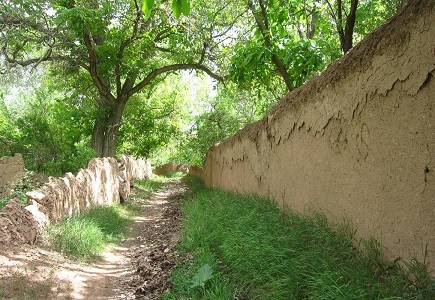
(84, 236)
(244, 247)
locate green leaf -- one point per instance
(204, 274)
(147, 7)
(185, 7)
(176, 8)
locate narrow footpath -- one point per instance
(136, 268)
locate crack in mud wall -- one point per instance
(356, 143)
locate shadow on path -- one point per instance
(137, 267)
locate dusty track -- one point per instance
(136, 268)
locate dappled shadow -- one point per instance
(40, 273)
(33, 285)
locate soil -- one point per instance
(136, 268)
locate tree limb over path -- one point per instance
(122, 52)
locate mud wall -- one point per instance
(170, 168)
(356, 143)
(196, 171)
(11, 168)
(103, 182)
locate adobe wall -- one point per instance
(356, 143)
(170, 168)
(105, 181)
(11, 168)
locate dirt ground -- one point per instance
(136, 268)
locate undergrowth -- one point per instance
(243, 247)
(18, 190)
(84, 236)
(149, 186)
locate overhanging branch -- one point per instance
(99, 83)
(172, 68)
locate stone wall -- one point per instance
(11, 168)
(356, 143)
(105, 181)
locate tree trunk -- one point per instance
(346, 35)
(105, 132)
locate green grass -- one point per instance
(85, 236)
(5, 200)
(151, 185)
(155, 183)
(257, 252)
(176, 175)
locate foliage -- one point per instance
(304, 38)
(257, 252)
(220, 117)
(84, 236)
(52, 134)
(29, 181)
(178, 7)
(151, 122)
(112, 48)
(136, 45)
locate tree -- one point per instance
(261, 18)
(121, 52)
(150, 122)
(344, 25)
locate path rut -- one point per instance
(136, 268)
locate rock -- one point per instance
(39, 213)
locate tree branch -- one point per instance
(263, 25)
(99, 83)
(171, 68)
(124, 44)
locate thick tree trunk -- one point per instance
(106, 128)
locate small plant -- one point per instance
(3, 201)
(202, 276)
(18, 190)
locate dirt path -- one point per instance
(136, 268)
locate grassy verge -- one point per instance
(146, 187)
(243, 246)
(85, 236)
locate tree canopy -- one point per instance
(111, 74)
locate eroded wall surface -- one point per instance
(11, 168)
(105, 181)
(356, 143)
